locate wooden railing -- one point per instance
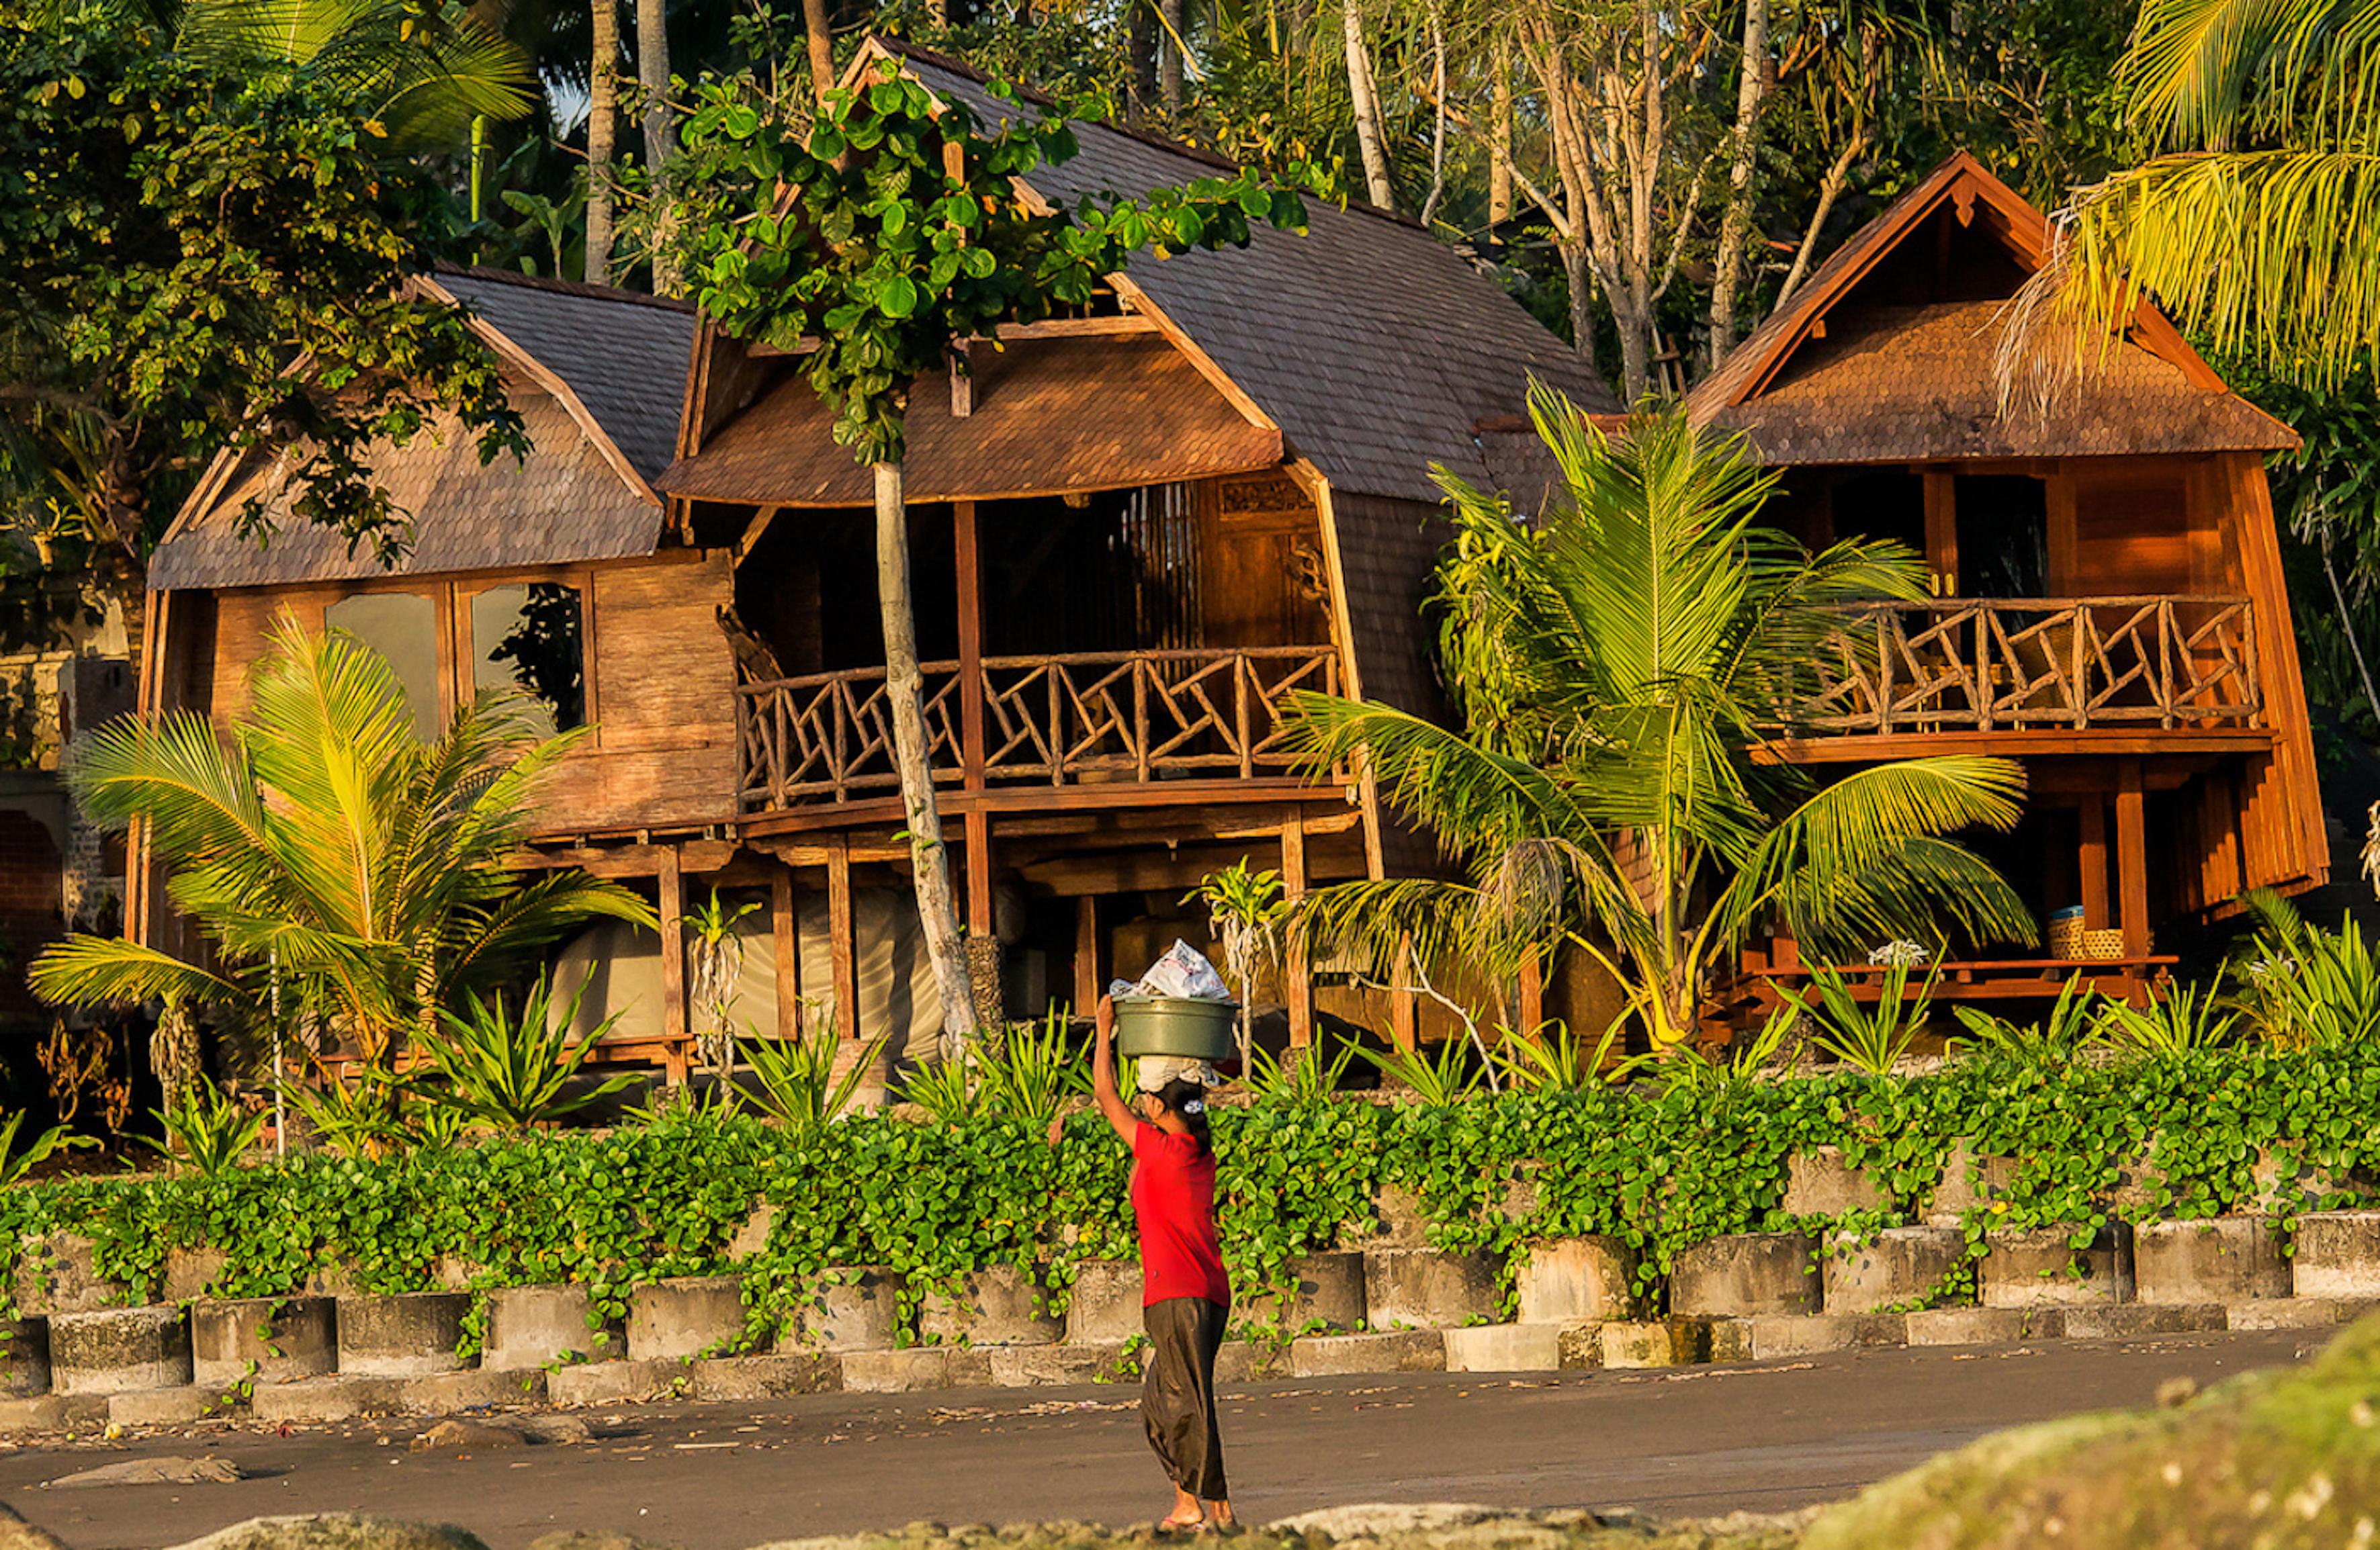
(2037, 665)
(1080, 718)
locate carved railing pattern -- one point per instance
(2037, 665)
(1082, 718)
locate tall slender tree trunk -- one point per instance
(1141, 43)
(1499, 140)
(820, 28)
(929, 858)
(660, 141)
(602, 129)
(1363, 93)
(1170, 52)
(1753, 81)
(1831, 188)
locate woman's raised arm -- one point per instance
(1103, 1082)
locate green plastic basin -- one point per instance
(1177, 1026)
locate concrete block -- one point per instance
(914, 1368)
(547, 1325)
(1424, 1288)
(1326, 1292)
(2337, 1254)
(1105, 1304)
(2126, 1321)
(1040, 1366)
(1671, 1342)
(1582, 1347)
(1983, 1326)
(1504, 1347)
(24, 1357)
(1895, 1268)
(403, 1336)
(2038, 1267)
(1731, 1338)
(1820, 1183)
(472, 1388)
(119, 1349)
(856, 1308)
(56, 1275)
(1241, 1362)
(323, 1401)
(744, 1378)
(1812, 1333)
(2284, 1177)
(2295, 1313)
(164, 1407)
(689, 1316)
(631, 1382)
(1969, 1183)
(998, 1305)
(1746, 1275)
(1399, 1350)
(1574, 1281)
(274, 1339)
(189, 1272)
(2226, 1259)
(53, 1412)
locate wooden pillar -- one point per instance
(1086, 955)
(2132, 857)
(672, 913)
(970, 620)
(843, 949)
(1297, 976)
(1404, 1007)
(1942, 533)
(2092, 856)
(786, 923)
(1532, 996)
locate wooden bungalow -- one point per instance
(1133, 532)
(2108, 602)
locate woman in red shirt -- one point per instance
(1185, 1297)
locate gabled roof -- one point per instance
(1372, 345)
(1839, 376)
(597, 376)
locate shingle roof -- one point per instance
(624, 355)
(1375, 347)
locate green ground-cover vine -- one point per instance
(2196, 1135)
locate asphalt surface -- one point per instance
(1690, 1442)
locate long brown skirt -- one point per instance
(1177, 1392)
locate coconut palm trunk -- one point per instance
(1363, 94)
(929, 858)
(602, 132)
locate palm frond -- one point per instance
(108, 970)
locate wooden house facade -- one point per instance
(2107, 606)
(1132, 532)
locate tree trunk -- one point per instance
(661, 141)
(1363, 94)
(929, 858)
(1735, 222)
(820, 28)
(1500, 141)
(1829, 191)
(1171, 51)
(1141, 42)
(1438, 126)
(603, 127)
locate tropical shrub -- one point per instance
(511, 1069)
(1870, 1038)
(208, 1130)
(795, 1081)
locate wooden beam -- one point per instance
(1082, 328)
(2132, 857)
(672, 919)
(1087, 954)
(785, 926)
(1942, 532)
(634, 861)
(843, 949)
(2107, 743)
(1297, 975)
(2091, 856)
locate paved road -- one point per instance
(718, 1477)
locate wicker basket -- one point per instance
(2065, 938)
(2103, 945)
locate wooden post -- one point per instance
(970, 609)
(842, 947)
(978, 874)
(2132, 857)
(1087, 954)
(672, 913)
(1297, 975)
(1532, 996)
(782, 917)
(2092, 854)
(1942, 532)
(1405, 1008)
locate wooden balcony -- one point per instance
(1083, 719)
(2065, 665)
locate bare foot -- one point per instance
(1220, 1516)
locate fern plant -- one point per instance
(512, 1071)
(208, 1130)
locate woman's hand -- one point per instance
(1103, 1076)
(1103, 1023)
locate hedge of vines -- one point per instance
(1660, 1170)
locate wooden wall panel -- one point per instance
(2131, 526)
(1260, 563)
(2282, 840)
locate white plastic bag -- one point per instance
(1183, 973)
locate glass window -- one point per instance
(403, 627)
(527, 638)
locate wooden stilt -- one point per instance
(673, 916)
(1404, 1009)
(782, 917)
(2092, 853)
(1297, 976)
(980, 921)
(1086, 955)
(843, 949)
(2132, 857)
(1532, 997)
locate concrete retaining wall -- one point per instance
(403, 1336)
(118, 1350)
(1000, 1305)
(2040, 1267)
(270, 1340)
(1746, 1275)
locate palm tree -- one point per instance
(1619, 669)
(345, 875)
(2255, 214)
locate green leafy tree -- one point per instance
(873, 234)
(1620, 668)
(345, 875)
(179, 237)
